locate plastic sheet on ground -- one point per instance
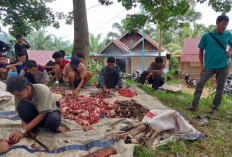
(75, 142)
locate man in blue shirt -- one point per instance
(20, 63)
(216, 61)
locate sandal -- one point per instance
(214, 112)
(190, 108)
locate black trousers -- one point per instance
(27, 112)
(157, 81)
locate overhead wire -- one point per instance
(93, 6)
(108, 21)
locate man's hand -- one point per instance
(75, 93)
(228, 54)
(20, 63)
(65, 79)
(24, 40)
(104, 88)
(159, 72)
(16, 136)
(202, 70)
(116, 87)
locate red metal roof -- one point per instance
(40, 56)
(190, 58)
(191, 46)
(122, 46)
(190, 52)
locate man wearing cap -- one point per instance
(74, 73)
(60, 63)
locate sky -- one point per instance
(101, 18)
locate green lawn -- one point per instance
(218, 140)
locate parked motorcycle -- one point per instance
(189, 81)
(228, 86)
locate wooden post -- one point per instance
(160, 42)
(128, 65)
(102, 62)
(97, 62)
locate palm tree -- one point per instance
(95, 43)
(120, 31)
(40, 40)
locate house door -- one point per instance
(122, 64)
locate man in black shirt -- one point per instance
(20, 46)
(4, 47)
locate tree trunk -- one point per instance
(160, 42)
(81, 33)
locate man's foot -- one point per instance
(214, 112)
(191, 108)
(83, 87)
(61, 129)
(57, 83)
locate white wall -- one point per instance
(136, 63)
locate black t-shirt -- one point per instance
(4, 47)
(21, 48)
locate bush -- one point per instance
(174, 63)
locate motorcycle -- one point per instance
(189, 81)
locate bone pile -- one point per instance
(140, 133)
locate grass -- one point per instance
(94, 79)
(174, 82)
(218, 131)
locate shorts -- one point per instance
(76, 83)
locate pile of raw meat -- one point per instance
(86, 110)
(127, 93)
(101, 95)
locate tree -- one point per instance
(120, 31)
(81, 33)
(223, 6)
(95, 43)
(24, 15)
(40, 40)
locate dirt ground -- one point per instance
(191, 90)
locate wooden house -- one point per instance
(128, 52)
(189, 60)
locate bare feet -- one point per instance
(62, 129)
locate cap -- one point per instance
(75, 62)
